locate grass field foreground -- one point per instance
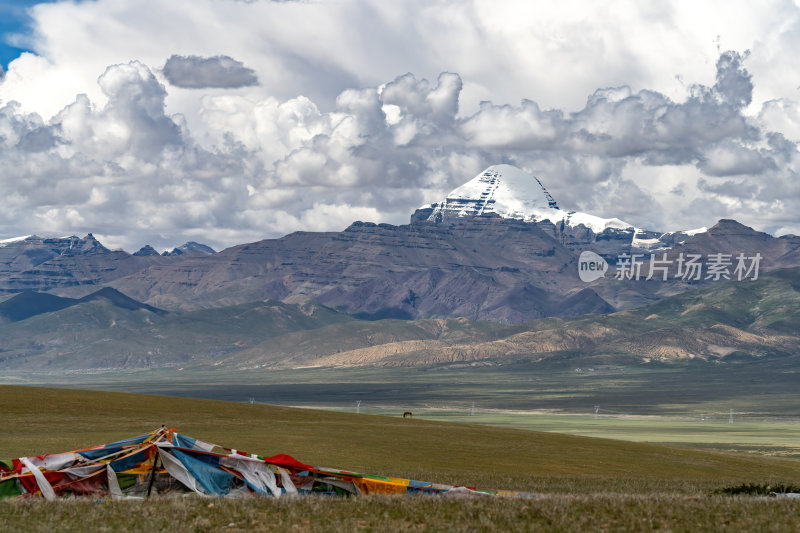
(628, 513)
(39, 420)
(584, 483)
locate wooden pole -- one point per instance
(153, 473)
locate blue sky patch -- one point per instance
(14, 22)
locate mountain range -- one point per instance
(723, 323)
(497, 248)
(478, 266)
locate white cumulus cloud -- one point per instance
(269, 117)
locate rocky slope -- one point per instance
(498, 248)
(482, 268)
(724, 323)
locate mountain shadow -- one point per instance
(28, 304)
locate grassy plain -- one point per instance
(778, 437)
(761, 388)
(687, 404)
(584, 483)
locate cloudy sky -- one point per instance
(229, 121)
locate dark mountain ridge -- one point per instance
(29, 303)
(484, 268)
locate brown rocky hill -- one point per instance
(723, 323)
(726, 322)
(482, 268)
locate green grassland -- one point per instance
(687, 404)
(583, 483)
(764, 437)
(50, 420)
(574, 385)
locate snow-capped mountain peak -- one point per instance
(501, 189)
(513, 193)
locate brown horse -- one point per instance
(407, 414)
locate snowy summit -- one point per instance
(513, 193)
